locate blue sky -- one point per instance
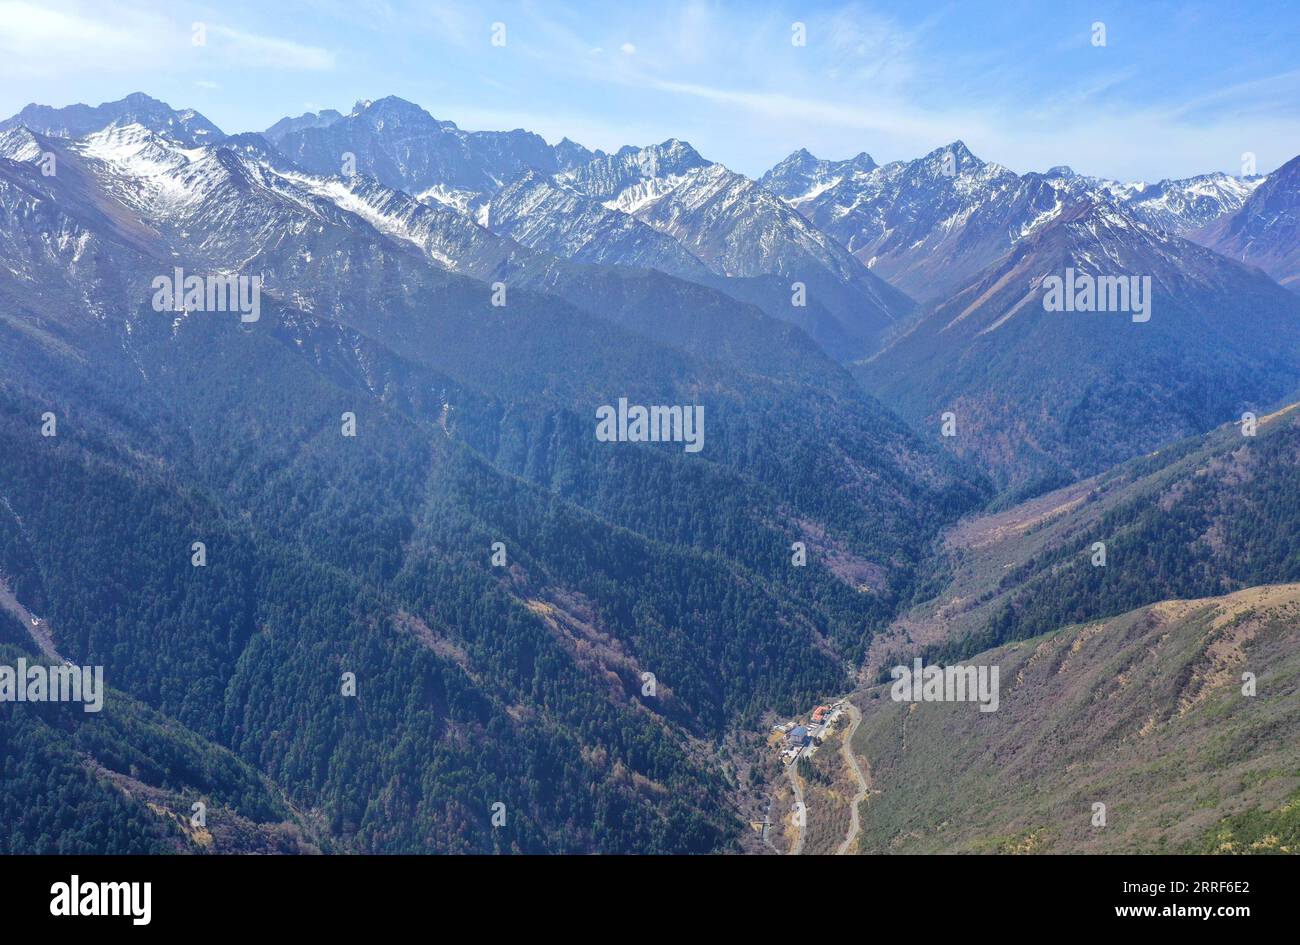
(1178, 89)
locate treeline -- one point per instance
(1229, 520)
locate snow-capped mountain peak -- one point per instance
(633, 177)
(802, 176)
(1264, 230)
(931, 223)
(185, 126)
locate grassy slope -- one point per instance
(1143, 712)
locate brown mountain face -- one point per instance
(1151, 714)
(1119, 684)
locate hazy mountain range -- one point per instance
(470, 299)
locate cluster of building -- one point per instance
(795, 738)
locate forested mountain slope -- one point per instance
(1203, 517)
(527, 684)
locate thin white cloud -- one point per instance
(866, 83)
(453, 22)
(266, 51)
(37, 40)
(873, 117)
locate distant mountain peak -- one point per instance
(802, 175)
(801, 161)
(1264, 230)
(569, 154)
(254, 144)
(631, 163)
(393, 108)
(961, 156)
(863, 161)
(139, 98)
(670, 152)
(405, 147)
(186, 126)
(322, 119)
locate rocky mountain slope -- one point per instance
(1043, 397)
(1265, 230)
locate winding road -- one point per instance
(792, 772)
(852, 763)
(864, 789)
